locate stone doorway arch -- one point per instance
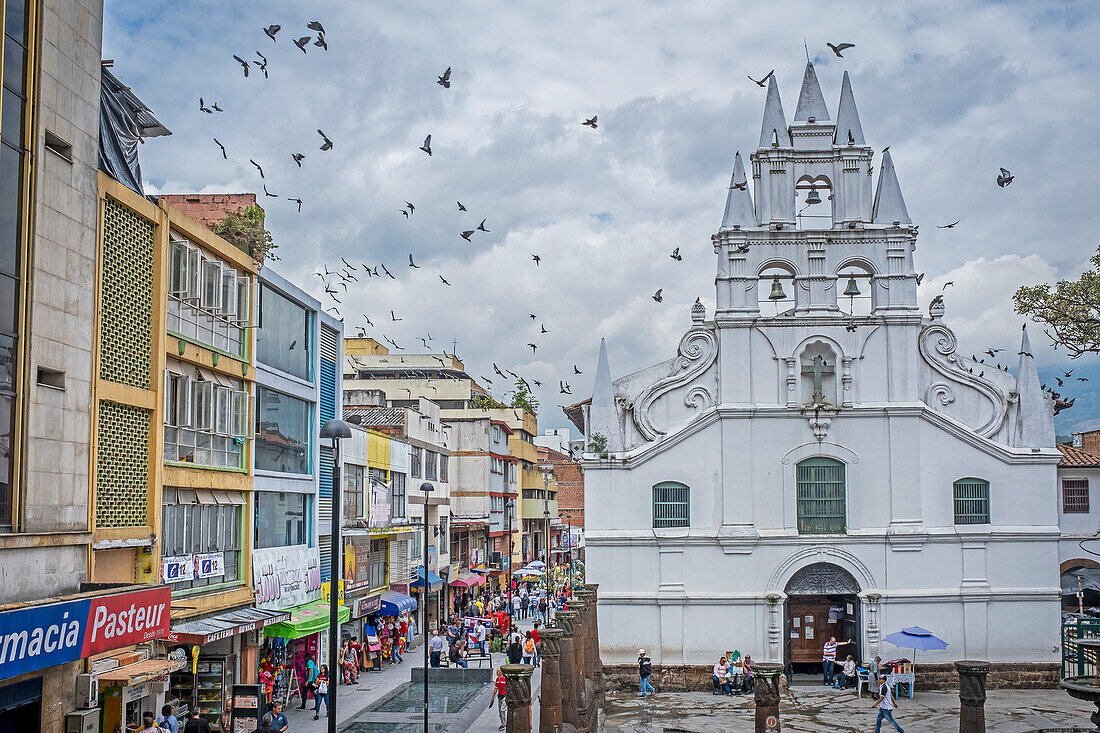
(822, 601)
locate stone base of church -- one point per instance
(696, 677)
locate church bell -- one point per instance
(853, 289)
(813, 197)
(777, 290)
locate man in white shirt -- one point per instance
(435, 648)
(482, 638)
(886, 703)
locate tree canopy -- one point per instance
(1069, 311)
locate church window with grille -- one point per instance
(821, 496)
(1075, 496)
(671, 505)
(971, 497)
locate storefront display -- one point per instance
(247, 708)
(205, 685)
(289, 646)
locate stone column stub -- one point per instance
(972, 674)
(517, 696)
(767, 696)
(569, 703)
(550, 710)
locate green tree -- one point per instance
(244, 228)
(1069, 312)
(524, 399)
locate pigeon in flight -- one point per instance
(949, 282)
(217, 107)
(368, 320)
(840, 47)
(1082, 379)
(268, 193)
(537, 259)
(1067, 374)
(1003, 180)
(949, 226)
(993, 352)
(262, 67)
(321, 42)
(327, 145)
(427, 146)
(543, 328)
(481, 226)
(763, 82)
(204, 108)
(461, 207)
(591, 122)
(576, 370)
(657, 296)
(919, 278)
(413, 264)
(298, 158)
(410, 207)
(315, 25)
(676, 255)
(243, 63)
(405, 212)
(297, 201)
(532, 316)
(222, 147)
(271, 30)
(534, 348)
(394, 317)
(564, 388)
(383, 264)
(467, 234)
(497, 369)
(302, 42)
(444, 280)
(261, 170)
(445, 79)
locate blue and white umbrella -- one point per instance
(915, 638)
(538, 564)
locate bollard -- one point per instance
(588, 678)
(594, 588)
(517, 695)
(550, 713)
(972, 695)
(568, 658)
(579, 664)
(767, 696)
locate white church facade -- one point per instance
(820, 457)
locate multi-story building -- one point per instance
(1079, 521)
(569, 479)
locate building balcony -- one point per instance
(536, 508)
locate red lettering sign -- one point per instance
(127, 618)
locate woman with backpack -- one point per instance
(528, 649)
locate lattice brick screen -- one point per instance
(126, 335)
(122, 465)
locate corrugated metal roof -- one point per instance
(377, 417)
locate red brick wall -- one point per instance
(570, 479)
(1090, 442)
(209, 208)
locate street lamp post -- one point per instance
(508, 509)
(427, 488)
(336, 430)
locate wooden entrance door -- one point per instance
(808, 628)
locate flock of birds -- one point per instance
(336, 281)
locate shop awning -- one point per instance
(434, 581)
(466, 580)
(135, 674)
(394, 603)
(222, 626)
(305, 620)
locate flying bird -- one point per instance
(481, 226)
(222, 147)
(764, 81)
(676, 255)
(405, 212)
(263, 66)
(840, 47)
(461, 207)
(919, 278)
(204, 108)
(576, 370)
(298, 158)
(532, 316)
(271, 30)
(410, 207)
(368, 320)
(564, 388)
(657, 296)
(268, 193)
(315, 25)
(949, 282)
(949, 226)
(261, 170)
(394, 317)
(992, 352)
(534, 348)
(383, 264)
(543, 328)
(321, 42)
(1067, 374)
(1059, 381)
(302, 42)
(850, 327)
(217, 108)
(1082, 379)
(411, 263)
(1003, 180)
(327, 145)
(467, 234)
(445, 79)
(427, 146)
(497, 369)
(591, 122)
(444, 280)
(537, 259)
(243, 63)
(297, 201)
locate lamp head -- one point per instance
(426, 487)
(336, 429)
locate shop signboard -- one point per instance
(177, 569)
(381, 508)
(210, 565)
(135, 692)
(37, 637)
(326, 592)
(284, 577)
(357, 563)
(368, 605)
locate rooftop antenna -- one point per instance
(807, 47)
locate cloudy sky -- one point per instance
(956, 89)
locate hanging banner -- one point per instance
(177, 569)
(284, 577)
(210, 565)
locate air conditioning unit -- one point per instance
(87, 690)
(82, 721)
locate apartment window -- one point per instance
(283, 427)
(397, 493)
(355, 502)
(199, 522)
(205, 417)
(671, 505)
(378, 563)
(283, 338)
(443, 461)
(444, 540)
(971, 498)
(282, 519)
(820, 497)
(1075, 496)
(496, 465)
(208, 300)
(430, 465)
(414, 461)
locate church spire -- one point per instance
(847, 118)
(811, 102)
(739, 211)
(889, 204)
(1035, 415)
(603, 418)
(774, 125)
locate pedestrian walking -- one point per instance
(524, 602)
(435, 648)
(321, 692)
(167, 720)
(196, 724)
(538, 644)
(886, 704)
(515, 648)
(544, 607)
(502, 705)
(528, 649)
(311, 681)
(645, 669)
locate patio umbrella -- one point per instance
(915, 638)
(536, 564)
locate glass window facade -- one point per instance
(283, 338)
(282, 519)
(283, 427)
(208, 300)
(397, 494)
(355, 501)
(190, 529)
(205, 419)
